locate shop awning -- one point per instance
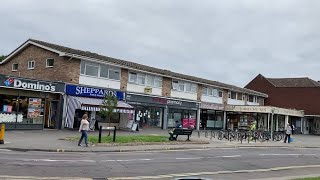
(90, 104)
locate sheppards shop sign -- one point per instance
(83, 91)
(28, 84)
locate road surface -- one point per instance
(228, 163)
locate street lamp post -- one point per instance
(271, 128)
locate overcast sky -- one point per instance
(230, 41)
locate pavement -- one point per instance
(50, 140)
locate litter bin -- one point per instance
(2, 130)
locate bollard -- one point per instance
(114, 133)
(100, 129)
(2, 133)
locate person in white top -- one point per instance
(84, 127)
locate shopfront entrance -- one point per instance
(211, 116)
(87, 100)
(26, 103)
(161, 112)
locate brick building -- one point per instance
(293, 93)
(159, 97)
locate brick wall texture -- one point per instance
(307, 99)
(65, 69)
(166, 86)
(124, 79)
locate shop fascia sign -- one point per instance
(264, 109)
(166, 101)
(28, 84)
(83, 91)
(212, 106)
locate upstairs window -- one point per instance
(141, 79)
(145, 79)
(204, 91)
(184, 86)
(252, 98)
(99, 70)
(15, 67)
(211, 92)
(232, 95)
(92, 70)
(49, 62)
(31, 64)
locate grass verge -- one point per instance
(311, 178)
(125, 139)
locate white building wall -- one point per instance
(99, 82)
(140, 89)
(235, 102)
(253, 103)
(212, 99)
(184, 95)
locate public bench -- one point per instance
(177, 132)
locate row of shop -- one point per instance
(33, 104)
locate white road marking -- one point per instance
(190, 158)
(56, 160)
(229, 156)
(215, 173)
(287, 154)
(42, 178)
(5, 150)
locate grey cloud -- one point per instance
(229, 41)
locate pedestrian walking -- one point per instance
(288, 133)
(84, 127)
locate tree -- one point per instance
(109, 104)
(2, 57)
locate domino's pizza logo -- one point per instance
(8, 82)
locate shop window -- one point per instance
(15, 67)
(114, 74)
(115, 118)
(49, 62)
(31, 64)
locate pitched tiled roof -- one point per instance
(294, 82)
(145, 68)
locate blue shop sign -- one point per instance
(83, 91)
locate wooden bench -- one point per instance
(177, 132)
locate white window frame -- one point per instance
(30, 62)
(175, 85)
(141, 76)
(243, 97)
(135, 80)
(221, 93)
(204, 91)
(85, 72)
(111, 69)
(13, 66)
(215, 92)
(47, 66)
